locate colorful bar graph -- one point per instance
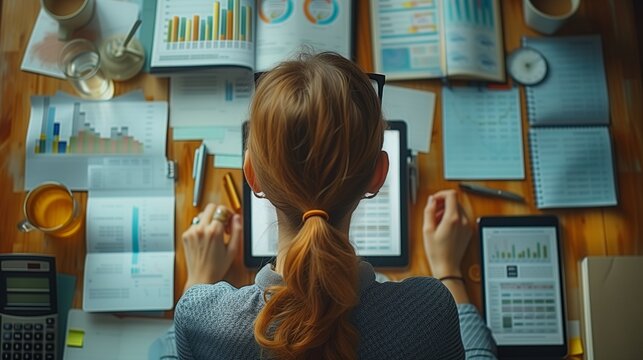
(525, 253)
(229, 21)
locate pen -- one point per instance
(483, 190)
(413, 176)
(198, 172)
(231, 191)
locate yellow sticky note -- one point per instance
(575, 346)
(75, 338)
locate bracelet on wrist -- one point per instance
(452, 277)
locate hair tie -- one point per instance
(311, 213)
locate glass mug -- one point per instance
(51, 208)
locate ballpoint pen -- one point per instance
(413, 177)
(198, 172)
(483, 190)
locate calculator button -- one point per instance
(6, 336)
(6, 346)
(28, 336)
(17, 356)
(7, 326)
(28, 326)
(49, 357)
(17, 326)
(49, 336)
(17, 336)
(37, 346)
(37, 356)
(17, 346)
(49, 347)
(6, 356)
(27, 346)
(37, 336)
(26, 356)
(50, 321)
(38, 327)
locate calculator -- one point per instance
(28, 307)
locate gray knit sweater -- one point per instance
(413, 319)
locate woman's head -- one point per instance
(316, 134)
(315, 141)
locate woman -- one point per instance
(315, 150)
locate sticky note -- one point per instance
(575, 346)
(75, 338)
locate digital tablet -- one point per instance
(523, 290)
(379, 226)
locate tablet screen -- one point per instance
(376, 224)
(522, 285)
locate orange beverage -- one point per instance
(51, 208)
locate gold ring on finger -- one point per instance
(221, 214)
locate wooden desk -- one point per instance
(593, 231)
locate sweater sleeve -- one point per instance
(476, 336)
(181, 329)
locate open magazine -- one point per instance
(247, 33)
(438, 38)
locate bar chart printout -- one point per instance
(84, 139)
(187, 32)
(66, 133)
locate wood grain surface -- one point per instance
(592, 231)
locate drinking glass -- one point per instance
(80, 62)
(51, 208)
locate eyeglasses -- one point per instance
(377, 80)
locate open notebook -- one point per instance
(571, 149)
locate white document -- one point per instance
(246, 33)
(66, 133)
(107, 337)
(482, 134)
(110, 18)
(130, 236)
(283, 28)
(218, 98)
(416, 108)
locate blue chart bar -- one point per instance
(228, 91)
(51, 116)
(135, 240)
(473, 12)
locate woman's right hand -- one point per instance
(446, 233)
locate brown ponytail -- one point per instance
(316, 132)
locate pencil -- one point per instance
(231, 191)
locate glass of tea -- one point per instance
(51, 208)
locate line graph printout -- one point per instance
(65, 133)
(375, 229)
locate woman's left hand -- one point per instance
(207, 256)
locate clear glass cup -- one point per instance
(79, 60)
